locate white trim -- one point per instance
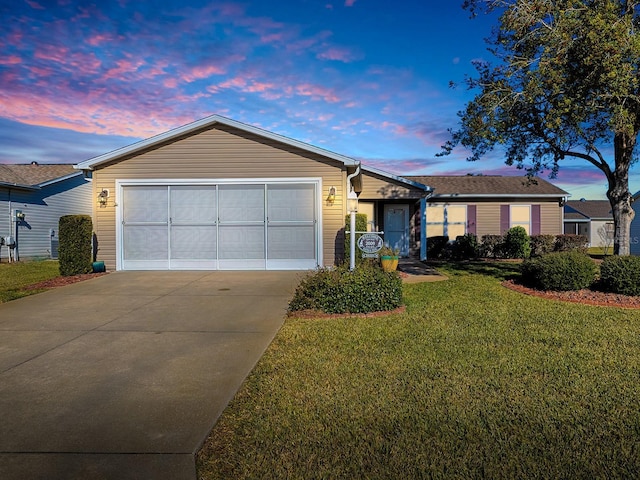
(222, 264)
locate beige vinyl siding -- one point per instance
(221, 152)
(375, 188)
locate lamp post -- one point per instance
(352, 206)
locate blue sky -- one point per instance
(365, 78)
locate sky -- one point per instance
(369, 79)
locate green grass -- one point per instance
(15, 276)
(472, 381)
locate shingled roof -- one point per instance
(489, 185)
(34, 175)
(585, 209)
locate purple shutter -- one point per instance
(504, 219)
(535, 219)
(471, 219)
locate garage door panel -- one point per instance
(147, 204)
(146, 242)
(240, 242)
(241, 203)
(193, 204)
(291, 242)
(193, 242)
(291, 202)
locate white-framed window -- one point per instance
(449, 220)
(520, 216)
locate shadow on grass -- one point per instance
(500, 270)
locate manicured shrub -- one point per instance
(436, 246)
(517, 243)
(361, 226)
(568, 242)
(542, 244)
(620, 275)
(560, 271)
(74, 248)
(465, 246)
(367, 289)
(492, 246)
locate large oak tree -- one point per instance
(565, 85)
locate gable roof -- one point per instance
(588, 209)
(488, 186)
(204, 123)
(34, 176)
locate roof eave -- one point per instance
(204, 123)
(499, 195)
(397, 178)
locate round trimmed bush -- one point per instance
(560, 271)
(517, 243)
(620, 275)
(367, 289)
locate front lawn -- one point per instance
(473, 380)
(14, 277)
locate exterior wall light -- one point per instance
(103, 196)
(332, 195)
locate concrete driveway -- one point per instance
(124, 375)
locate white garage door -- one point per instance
(227, 226)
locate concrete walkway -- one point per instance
(123, 376)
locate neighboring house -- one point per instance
(220, 194)
(591, 218)
(43, 193)
(491, 205)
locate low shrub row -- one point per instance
(574, 270)
(515, 243)
(338, 290)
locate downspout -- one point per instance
(423, 225)
(352, 222)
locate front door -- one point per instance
(396, 228)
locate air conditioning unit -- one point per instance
(10, 241)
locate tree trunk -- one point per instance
(619, 195)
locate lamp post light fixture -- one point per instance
(352, 207)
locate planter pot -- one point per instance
(389, 264)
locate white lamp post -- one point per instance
(352, 206)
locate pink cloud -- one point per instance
(338, 54)
(123, 68)
(349, 3)
(170, 83)
(35, 5)
(201, 72)
(316, 92)
(10, 60)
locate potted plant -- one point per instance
(389, 258)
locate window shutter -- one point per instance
(504, 218)
(535, 219)
(471, 219)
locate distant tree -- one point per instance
(566, 85)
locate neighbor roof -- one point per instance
(201, 124)
(34, 175)
(488, 186)
(594, 209)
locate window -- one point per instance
(520, 216)
(449, 220)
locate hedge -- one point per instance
(560, 271)
(620, 275)
(74, 248)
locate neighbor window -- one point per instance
(449, 220)
(520, 216)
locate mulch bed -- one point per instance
(62, 281)
(586, 296)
